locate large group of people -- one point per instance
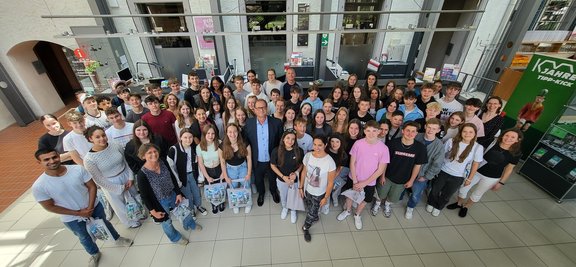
(360, 146)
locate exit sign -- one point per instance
(324, 41)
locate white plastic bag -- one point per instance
(356, 196)
(98, 230)
(215, 193)
(134, 209)
(182, 210)
(239, 197)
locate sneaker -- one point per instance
(343, 215)
(236, 210)
(435, 212)
(247, 209)
(94, 259)
(123, 241)
(222, 206)
(387, 211)
(463, 212)
(454, 206)
(214, 209)
(135, 225)
(326, 209)
(307, 236)
(375, 208)
(198, 228)
(429, 208)
(408, 214)
(293, 216)
(284, 213)
(358, 222)
(202, 210)
(183, 241)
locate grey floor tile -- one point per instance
(481, 214)
(230, 228)
(257, 226)
(501, 235)
(227, 253)
(503, 211)
(198, 253)
(475, 236)
(465, 258)
(552, 256)
(423, 240)
(550, 208)
(317, 264)
(377, 262)
(285, 249)
(526, 210)
(568, 225)
(569, 250)
(256, 251)
(369, 244)
(494, 258)
(449, 238)
(396, 242)
(406, 261)
(168, 255)
(552, 231)
(436, 260)
(341, 246)
(523, 256)
(315, 250)
(527, 233)
(347, 263)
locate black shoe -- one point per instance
(307, 236)
(463, 212)
(260, 200)
(276, 197)
(214, 209)
(222, 207)
(454, 206)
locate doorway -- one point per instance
(53, 59)
(266, 51)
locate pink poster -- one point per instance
(204, 24)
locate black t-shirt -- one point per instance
(236, 160)
(295, 106)
(363, 120)
(421, 105)
(403, 158)
(55, 142)
(290, 162)
(497, 159)
(344, 162)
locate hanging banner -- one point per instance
(206, 25)
(547, 84)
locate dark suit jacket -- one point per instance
(275, 128)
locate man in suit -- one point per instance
(263, 133)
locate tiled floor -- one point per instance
(518, 226)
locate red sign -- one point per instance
(80, 54)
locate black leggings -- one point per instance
(443, 187)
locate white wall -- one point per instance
(233, 42)
(314, 24)
(202, 6)
(21, 22)
(488, 33)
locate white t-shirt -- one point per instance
(68, 191)
(456, 168)
(267, 87)
(260, 96)
(120, 136)
(479, 125)
(448, 108)
(317, 170)
(305, 143)
(101, 120)
(76, 142)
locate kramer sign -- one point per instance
(555, 72)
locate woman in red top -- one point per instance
(530, 113)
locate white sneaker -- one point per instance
(254, 190)
(247, 209)
(326, 209)
(435, 212)
(293, 216)
(387, 211)
(343, 215)
(183, 241)
(284, 213)
(236, 210)
(94, 259)
(358, 222)
(123, 241)
(408, 214)
(429, 208)
(375, 208)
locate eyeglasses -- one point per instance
(291, 130)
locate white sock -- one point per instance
(387, 203)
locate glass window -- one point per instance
(166, 24)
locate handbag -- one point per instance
(239, 197)
(134, 209)
(356, 196)
(215, 193)
(107, 207)
(182, 210)
(293, 200)
(98, 230)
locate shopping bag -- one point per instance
(293, 200)
(182, 210)
(107, 207)
(239, 197)
(134, 209)
(98, 230)
(215, 193)
(356, 196)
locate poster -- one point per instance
(204, 24)
(558, 77)
(450, 72)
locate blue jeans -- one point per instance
(191, 191)
(417, 190)
(238, 173)
(79, 229)
(173, 234)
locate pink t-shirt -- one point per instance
(367, 157)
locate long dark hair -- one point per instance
(341, 153)
(282, 148)
(135, 140)
(357, 122)
(456, 143)
(227, 150)
(515, 149)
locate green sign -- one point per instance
(324, 41)
(555, 78)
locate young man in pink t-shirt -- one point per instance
(368, 160)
